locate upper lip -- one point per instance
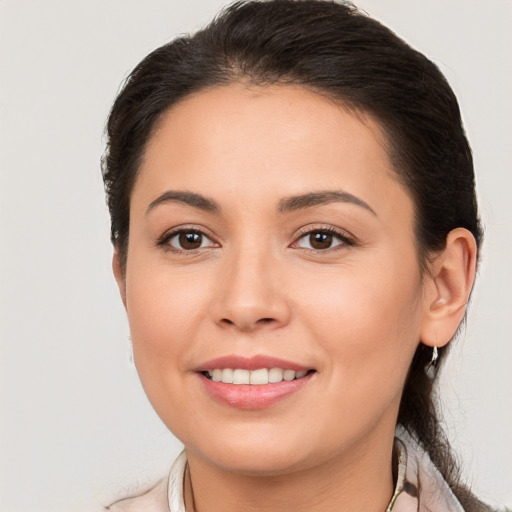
(250, 363)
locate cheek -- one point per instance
(164, 310)
(366, 320)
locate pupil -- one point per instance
(190, 240)
(321, 240)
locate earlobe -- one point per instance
(449, 286)
(119, 275)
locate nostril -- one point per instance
(247, 323)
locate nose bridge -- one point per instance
(250, 294)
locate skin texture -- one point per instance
(354, 312)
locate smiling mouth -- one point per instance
(259, 377)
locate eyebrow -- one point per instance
(188, 198)
(303, 201)
(287, 204)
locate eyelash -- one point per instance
(344, 239)
(164, 241)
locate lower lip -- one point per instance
(245, 396)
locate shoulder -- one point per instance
(424, 486)
(165, 496)
(421, 487)
(152, 500)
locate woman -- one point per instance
(296, 238)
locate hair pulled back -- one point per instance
(339, 52)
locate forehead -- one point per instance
(278, 140)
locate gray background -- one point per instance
(76, 429)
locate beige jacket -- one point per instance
(420, 487)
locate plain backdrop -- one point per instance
(76, 430)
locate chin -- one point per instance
(255, 456)
(271, 463)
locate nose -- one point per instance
(251, 294)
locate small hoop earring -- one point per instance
(430, 369)
(435, 355)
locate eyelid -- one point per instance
(344, 236)
(163, 240)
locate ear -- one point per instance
(119, 275)
(448, 287)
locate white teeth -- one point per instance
(275, 375)
(288, 374)
(255, 377)
(259, 377)
(241, 376)
(227, 376)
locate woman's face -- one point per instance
(268, 232)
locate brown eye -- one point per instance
(189, 240)
(320, 240)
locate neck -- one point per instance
(359, 480)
